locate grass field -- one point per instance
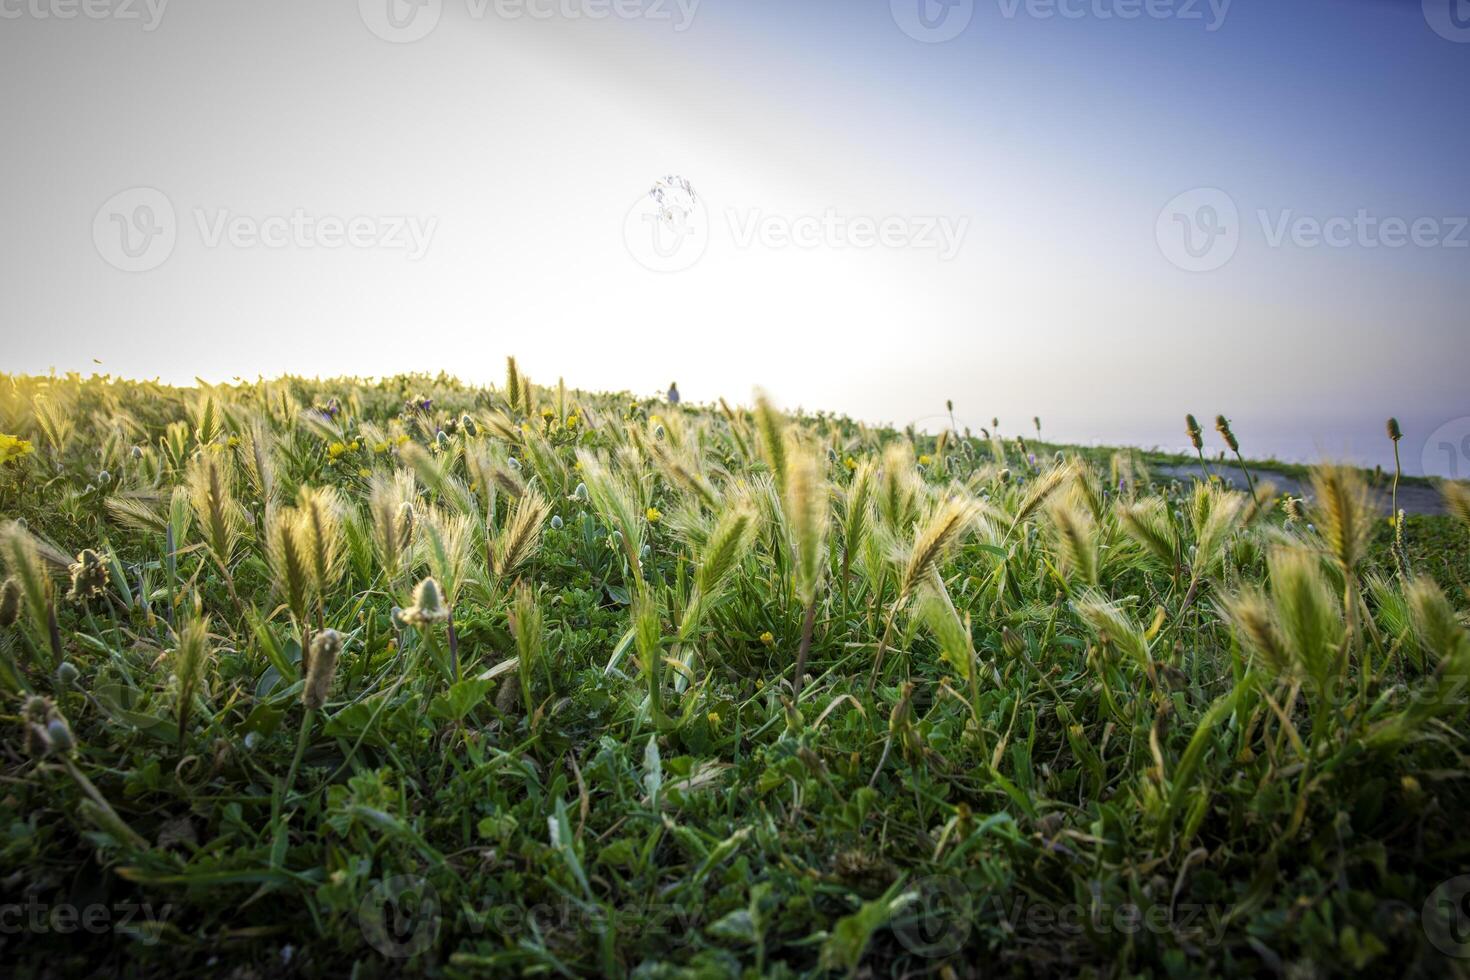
(339, 677)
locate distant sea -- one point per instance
(1432, 446)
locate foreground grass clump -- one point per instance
(323, 677)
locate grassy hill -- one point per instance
(327, 677)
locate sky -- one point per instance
(1105, 213)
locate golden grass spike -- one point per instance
(944, 528)
(1457, 500)
(1076, 540)
(137, 512)
(898, 488)
(527, 626)
(736, 427)
(1309, 615)
(1147, 522)
(955, 644)
(512, 383)
(1436, 627)
(773, 441)
(390, 509)
(288, 562)
(191, 657)
(23, 561)
(444, 545)
(726, 546)
(1043, 487)
(260, 464)
(319, 525)
(1343, 513)
(1253, 617)
(806, 506)
(521, 535)
(213, 502)
(616, 504)
(1113, 625)
(1216, 515)
(1259, 506)
(857, 513)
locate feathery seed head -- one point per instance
(1192, 429)
(45, 730)
(325, 648)
(9, 602)
(1457, 500)
(59, 732)
(89, 576)
(428, 605)
(1343, 512)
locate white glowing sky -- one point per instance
(527, 141)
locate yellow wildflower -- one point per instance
(714, 717)
(768, 639)
(653, 514)
(850, 463)
(14, 447)
(925, 460)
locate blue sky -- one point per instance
(520, 149)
